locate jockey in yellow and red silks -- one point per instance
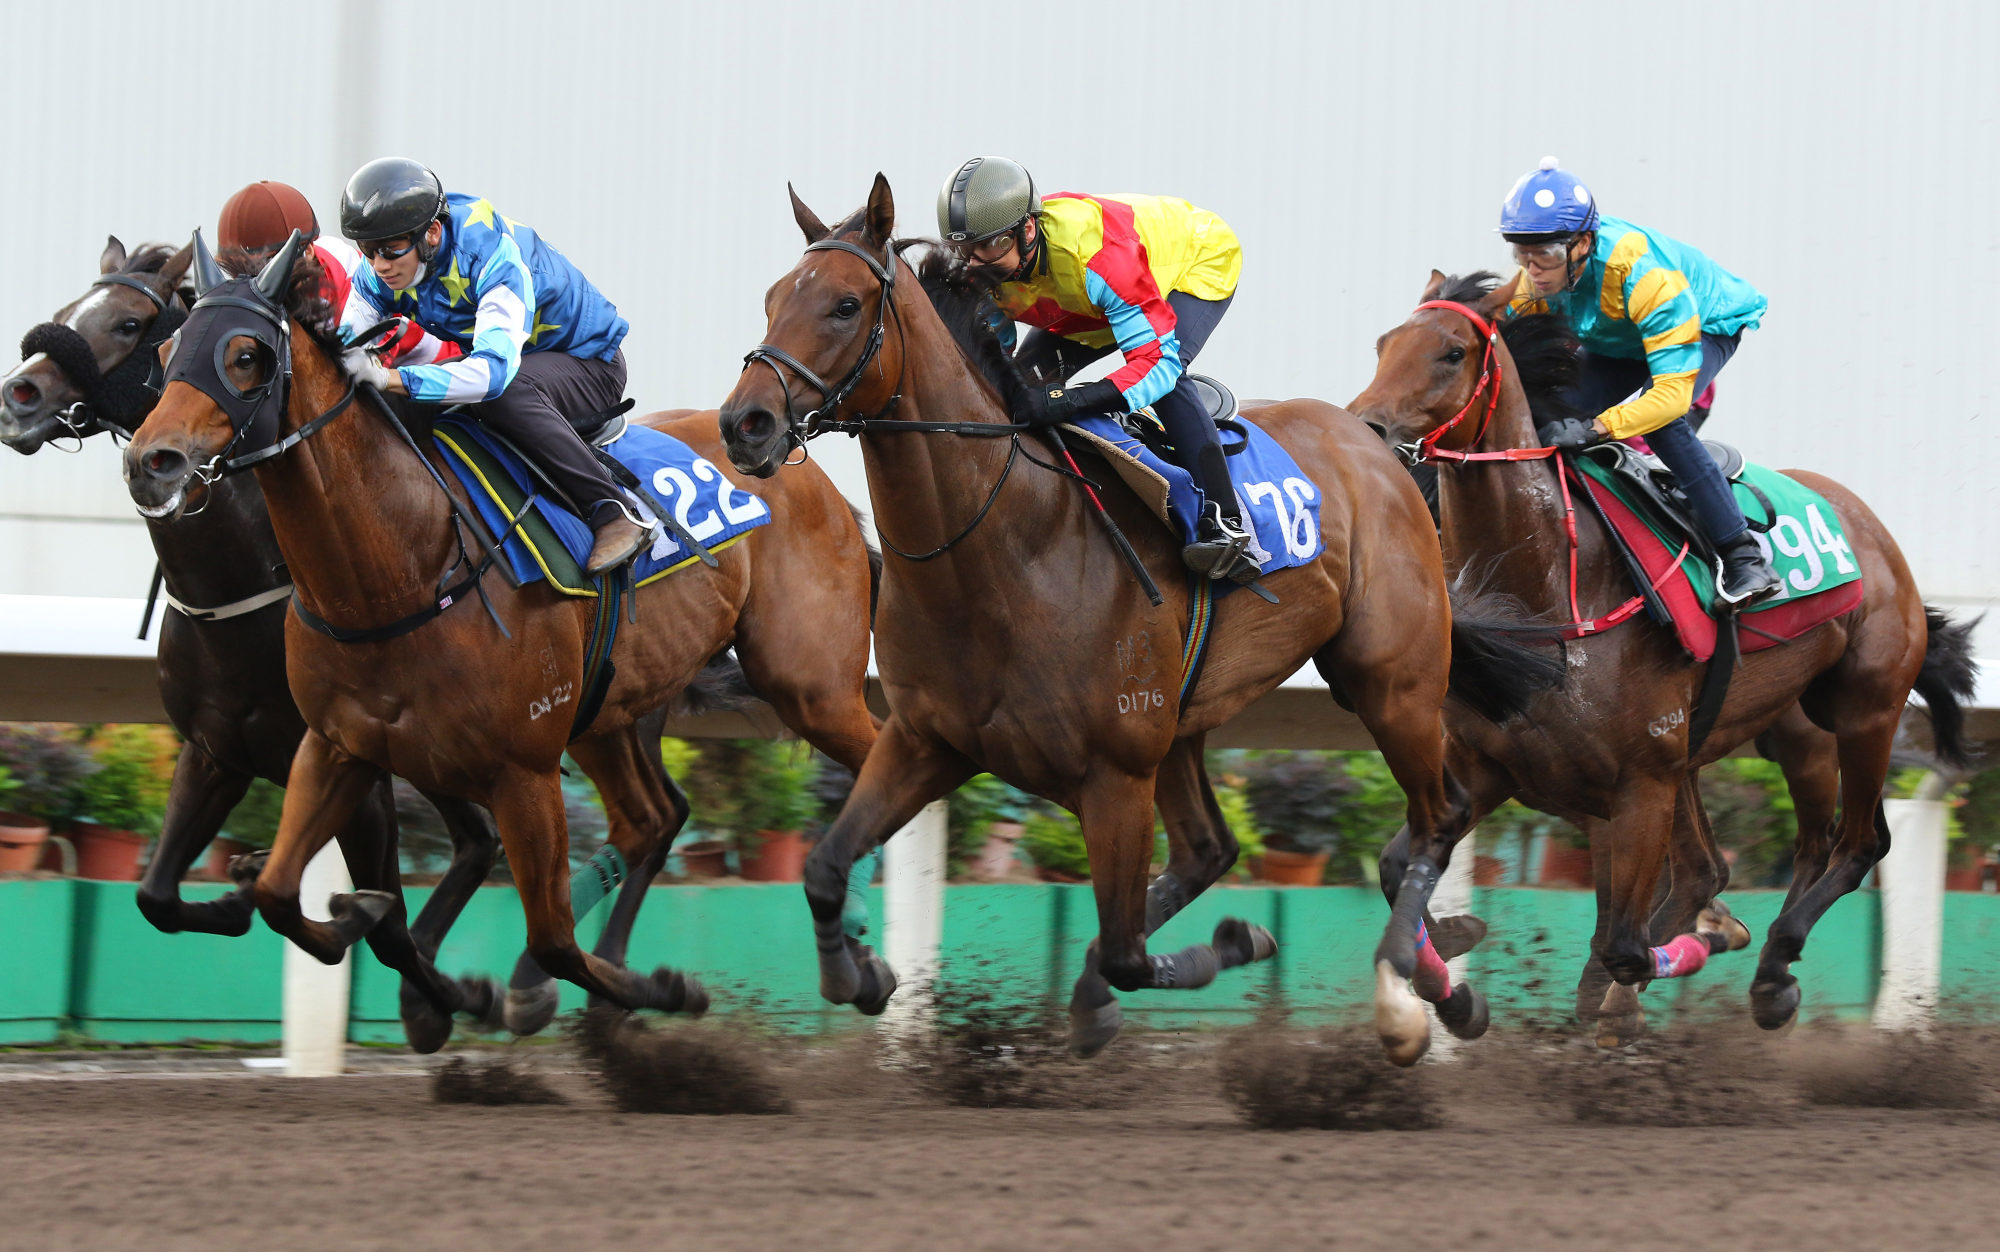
(1148, 275)
(1657, 320)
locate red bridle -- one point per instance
(1489, 377)
(1427, 450)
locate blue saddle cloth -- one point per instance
(553, 543)
(1279, 501)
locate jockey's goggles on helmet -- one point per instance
(1553, 255)
(387, 249)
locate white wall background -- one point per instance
(1844, 156)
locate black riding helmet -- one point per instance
(388, 197)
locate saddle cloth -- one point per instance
(1278, 500)
(1794, 525)
(553, 543)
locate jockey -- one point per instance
(542, 345)
(257, 220)
(1149, 275)
(1655, 317)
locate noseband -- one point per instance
(822, 419)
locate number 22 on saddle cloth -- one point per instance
(1800, 533)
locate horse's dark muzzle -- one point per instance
(752, 437)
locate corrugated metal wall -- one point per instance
(1841, 155)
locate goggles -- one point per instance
(381, 248)
(1544, 257)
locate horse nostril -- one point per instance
(757, 425)
(166, 463)
(23, 395)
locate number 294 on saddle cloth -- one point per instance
(553, 543)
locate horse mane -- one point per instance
(305, 296)
(962, 304)
(1544, 347)
(151, 258)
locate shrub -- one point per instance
(254, 820)
(1054, 841)
(972, 811)
(46, 763)
(1343, 803)
(128, 789)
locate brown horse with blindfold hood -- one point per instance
(425, 668)
(1012, 637)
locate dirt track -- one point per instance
(867, 1160)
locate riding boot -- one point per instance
(619, 539)
(1221, 548)
(1747, 577)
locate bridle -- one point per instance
(824, 418)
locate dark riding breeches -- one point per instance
(1604, 381)
(548, 392)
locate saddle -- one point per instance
(1217, 400)
(1656, 495)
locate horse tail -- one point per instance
(721, 687)
(1946, 682)
(1501, 657)
(874, 561)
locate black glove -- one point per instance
(1572, 433)
(1051, 404)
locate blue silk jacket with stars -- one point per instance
(497, 290)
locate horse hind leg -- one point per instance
(199, 800)
(1201, 849)
(475, 846)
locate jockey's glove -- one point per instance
(362, 367)
(1051, 404)
(1572, 433)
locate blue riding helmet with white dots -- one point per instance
(1548, 201)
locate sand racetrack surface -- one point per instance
(1539, 1144)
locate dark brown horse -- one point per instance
(1610, 752)
(452, 703)
(1026, 647)
(222, 645)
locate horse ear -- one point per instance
(113, 258)
(1500, 297)
(807, 219)
(277, 272)
(207, 274)
(881, 213)
(174, 270)
(1431, 292)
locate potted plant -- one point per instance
(985, 827)
(44, 764)
(776, 801)
(1322, 814)
(1234, 802)
(1054, 842)
(120, 804)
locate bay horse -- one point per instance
(450, 697)
(1018, 644)
(1610, 751)
(222, 646)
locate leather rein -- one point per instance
(1488, 386)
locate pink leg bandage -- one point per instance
(1680, 958)
(1432, 981)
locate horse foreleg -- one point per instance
(528, 807)
(904, 772)
(475, 845)
(326, 785)
(199, 800)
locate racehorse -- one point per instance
(1012, 638)
(222, 648)
(1611, 750)
(426, 669)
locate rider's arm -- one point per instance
(1661, 307)
(1121, 285)
(506, 306)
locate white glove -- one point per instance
(362, 367)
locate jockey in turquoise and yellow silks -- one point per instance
(1148, 275)
(542, 345)
(1657, 320)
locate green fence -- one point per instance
(80, 959)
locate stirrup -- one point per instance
(1754, 596)
(1230, 549)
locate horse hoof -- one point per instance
(362, 909)
(529, 1009)
(480, 999)
(1092, 1028)
(1620, 1019)
(1717, 919)
(1400, 1021)
(424, 1026)
(244, 869)
(1453, 937)
(1464, 1012)
(1239, 942)
(877, 984)
(1773, 1005)
(676, 992)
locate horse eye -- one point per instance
(1454, 356)
(847, 307)
(129, 326)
